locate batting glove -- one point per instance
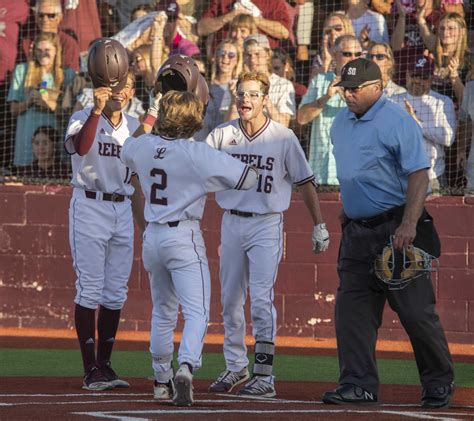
(154, 106)
(320, 238)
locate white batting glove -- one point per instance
(155, 105)
(320, 238)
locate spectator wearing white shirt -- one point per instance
(434, 113)
(368, 25)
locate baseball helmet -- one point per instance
(107, 64)
(181, 73)
(398, 268)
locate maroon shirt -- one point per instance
(11, 14)
(271, 10)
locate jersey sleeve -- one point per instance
(296, 164)
(214, 139)
(129, 152)
(218, 170)
(76, 122)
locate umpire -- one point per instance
(382, 171)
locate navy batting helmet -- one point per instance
(107, 64)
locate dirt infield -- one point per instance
(62, 398)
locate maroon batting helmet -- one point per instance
(181, 73)
(107, 64)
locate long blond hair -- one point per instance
(461, 49)
(240, 60)
(34, 74)
(346, 22)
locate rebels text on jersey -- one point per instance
(101, 169)
(175, 175)
(276, 152)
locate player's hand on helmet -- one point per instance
(155, 105)
(101, 96)
(320, 238)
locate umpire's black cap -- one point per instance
(358, 72)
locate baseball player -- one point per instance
(175, 176)
(100, 216)
(252, 232)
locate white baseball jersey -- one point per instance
(101, 169)
(276, 152)
(175, 175)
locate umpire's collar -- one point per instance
(372, 111)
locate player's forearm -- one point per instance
(311, 200)
(272, 27)
(84, 139)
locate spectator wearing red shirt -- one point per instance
(11, 14)
(273, 21)
(48, 17)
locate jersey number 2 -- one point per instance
(158, 186)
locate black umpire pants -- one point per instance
(361, 299)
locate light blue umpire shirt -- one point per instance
(374, 155)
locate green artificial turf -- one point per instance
(55, 362)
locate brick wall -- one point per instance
(37, 279)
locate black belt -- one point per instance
(380, 218)
(173, 224)
(109, 197)
(242, 214)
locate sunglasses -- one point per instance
(379, 56)
(358, 88)
(50, 16)
(254, 95)
(351, 54)
(230, 54)
(336, 28)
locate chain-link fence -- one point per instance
(421, 46)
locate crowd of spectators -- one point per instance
(423, 48)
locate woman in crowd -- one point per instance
(283, 66)
(450, 49)
(381, 53)
(226, 67)
(46, 158)
(241, 27)
(35, 93)
(368, 25)
(336, 24)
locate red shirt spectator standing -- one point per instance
(274, 21)
(48, 18)
(11, 14)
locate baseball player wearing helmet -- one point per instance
(100, 216)
(175, 176)
(252, 232)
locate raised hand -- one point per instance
(101, 96)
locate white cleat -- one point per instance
(183, 383)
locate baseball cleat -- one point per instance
(183, 383)
(437, 397)
(257, 388)
(111, 375)
(95, 380)
(227, 380)
(350, 394)
(163, 391)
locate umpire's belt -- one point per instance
(242, 214)
(109, 197)
(380, 218)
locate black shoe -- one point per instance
(437, 397)
(107, 370)
(350, 394)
